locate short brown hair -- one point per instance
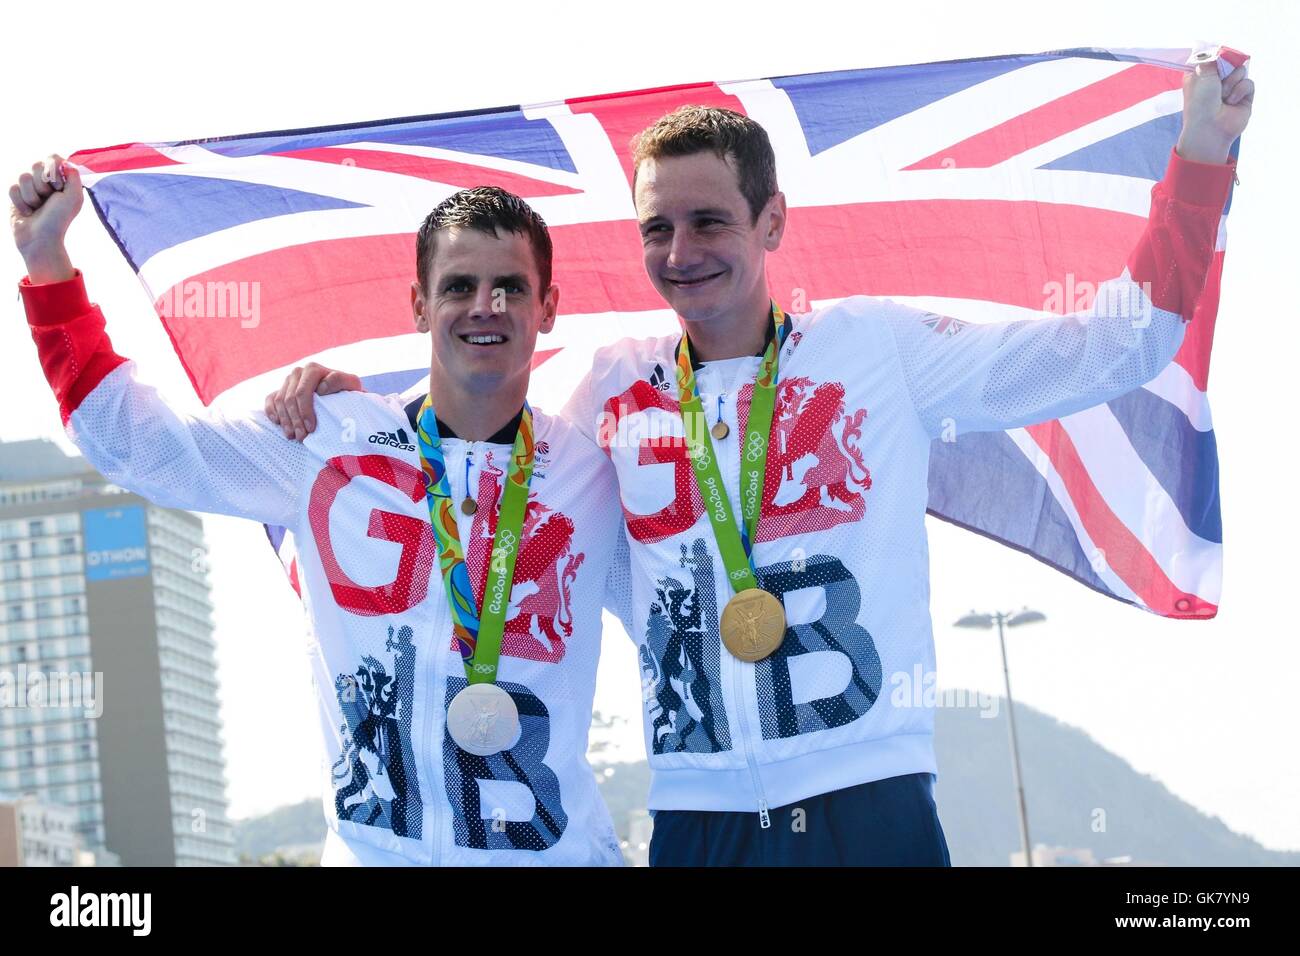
(487, 209)
(693, 129)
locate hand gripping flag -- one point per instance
(982, 190)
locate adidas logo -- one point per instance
(658, 380)
(398, 441)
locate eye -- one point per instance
(456, 287)
(513, 288)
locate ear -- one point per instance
(550, 308)
(419, 308)
(774, 219)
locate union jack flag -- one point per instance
(943, 324)
(983, 189)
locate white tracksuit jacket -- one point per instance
(397, 790)
(864, 387)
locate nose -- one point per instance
(681, 251)
(484, 299)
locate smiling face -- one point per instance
(702, 249)
(484, 307)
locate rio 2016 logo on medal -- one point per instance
(753, 625)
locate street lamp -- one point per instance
(984, 622)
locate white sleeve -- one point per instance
(618, 582)
(243, 467)
(207, 462)
(972, 377)
(579, 412)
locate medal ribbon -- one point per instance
(477, 635)
(734, 544)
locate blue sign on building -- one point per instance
(116, 543)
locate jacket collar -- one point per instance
(506, 436)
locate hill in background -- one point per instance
(1078, 795)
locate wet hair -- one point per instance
(488, 209)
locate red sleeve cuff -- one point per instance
(53, 303)
(1199, 184)
(68, 330)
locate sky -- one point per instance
(1205, 707)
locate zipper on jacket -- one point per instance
(469, 463)
(732, 457)
(436, 691)
(764, 821)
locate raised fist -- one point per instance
(45, 201)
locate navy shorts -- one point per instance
(890, 822)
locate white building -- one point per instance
(108, 691)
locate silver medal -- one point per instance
(483, 720)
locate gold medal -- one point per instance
(469, 506)
(719, 430)
(753, 624)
